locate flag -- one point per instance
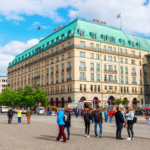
(119, 15)
(39, 29)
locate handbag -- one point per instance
(21, 116)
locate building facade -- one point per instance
(3, 83)
(146, 69)
(84, 61)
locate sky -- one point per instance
(20, 19)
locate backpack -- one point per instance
(66, 117)
(96, 116)
(10, 113)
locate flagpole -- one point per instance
(120, 22)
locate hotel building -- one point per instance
(84, 61)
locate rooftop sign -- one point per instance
(57, 28)
(96, 20)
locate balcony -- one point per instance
(47, 74)
(57, 72)
(134, 82)
(82, 68)
(51, 73)
(92, 69)
(82, 79)
(28, 79)
(133, 73)
(126, 73)
(62, 80)
(57, 81)
(114, 81)
(51, 82)
(62, 70)
(37, 77)
(69, 69)
(68, 79)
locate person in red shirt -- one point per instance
(110, 115)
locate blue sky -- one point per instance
(19, 20)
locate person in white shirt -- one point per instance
(129, 117)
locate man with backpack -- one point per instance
(67, 119)
(10, 115)
(61, 123)
(97, 114)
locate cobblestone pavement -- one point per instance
(42, 132)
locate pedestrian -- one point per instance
(28, 115)
(61, 124)
(110, 115)
(98, 118)
(87, 118)
(10, 115)
(129, 117)
(68, 122)
(147, 117)
(119, 122)
(77, 112)
(126, 111)
(106, 114)
(19, 115)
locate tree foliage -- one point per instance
(125, 101)
(118, 101)
(23, 97)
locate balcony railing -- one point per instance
(134, 82)
(133, 73)
(69, 69)
(68, 79)
(82, 79)
(82, 68)
(37, 77)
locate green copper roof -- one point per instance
(88, 28)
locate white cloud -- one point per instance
(47, 8)
(17, 47)
(1, 19)
(35, 25)
(16, 23)
(4, 62)
(135, 16)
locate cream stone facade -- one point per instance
(79, 68)
(3, 83)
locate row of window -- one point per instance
(112, 39)
(96, 88)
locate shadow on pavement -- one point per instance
(47, 137)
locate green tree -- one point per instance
(40, 96)
(19, 100)
(125, 101)
(7, 97)
(118, 101)
(29, 99)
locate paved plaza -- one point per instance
(42, 132)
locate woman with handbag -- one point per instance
(129, 117)
(147, 117)
(19, 115)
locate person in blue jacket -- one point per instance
(61, 124)
(106, 114)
